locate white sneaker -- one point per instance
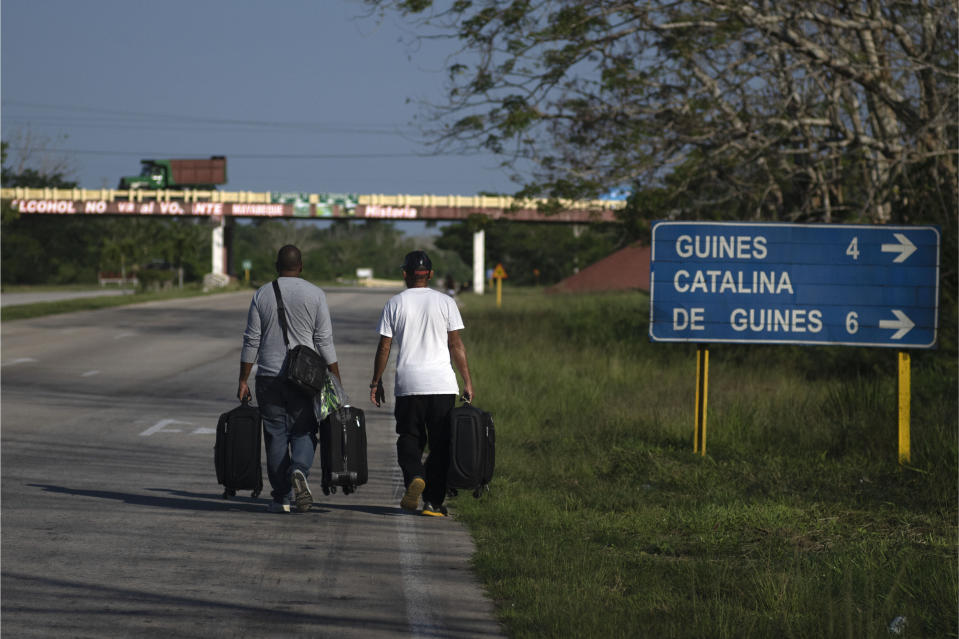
(278, 507)
(302, 496)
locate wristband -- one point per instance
(372, 386)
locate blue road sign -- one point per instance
(794, 284)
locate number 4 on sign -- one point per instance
(853, 249)
(499, 274)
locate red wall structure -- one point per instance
(626, 269)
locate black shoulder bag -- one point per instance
(304, 367)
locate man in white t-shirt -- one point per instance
(425, 325)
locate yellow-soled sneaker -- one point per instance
(411, 499)
(278, 507)
(434, 511)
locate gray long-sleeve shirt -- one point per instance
(307, 318)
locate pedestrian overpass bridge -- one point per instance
(222, 207)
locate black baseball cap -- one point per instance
(417, 261)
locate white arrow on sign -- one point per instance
(905, 248)
(902, 323)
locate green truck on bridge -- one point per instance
(178, 174)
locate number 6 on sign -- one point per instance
(852, 322)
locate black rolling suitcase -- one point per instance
(343, 450)
(472, 449)
(236, 453)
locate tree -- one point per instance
(34, 250)
(534, 253)
(827, 110)
(336, 251)
(36, 162)
(54, 177)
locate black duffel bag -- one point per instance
(306, 369)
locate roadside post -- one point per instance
(807, 284)
(247, 265)
(499, 274)
(702, 386)
(904, 406)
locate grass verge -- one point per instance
(39, 309)
(799, 522)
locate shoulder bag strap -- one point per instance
(281, 311)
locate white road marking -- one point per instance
(204, 431)
(161, 427)
(122, 335)
(19, 360)
(90, 373)
(415, 590)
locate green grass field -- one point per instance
(799, 521)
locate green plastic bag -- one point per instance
(331, 398)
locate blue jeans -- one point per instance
(289, 432)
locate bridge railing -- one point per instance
(136, 195)
(482, 202)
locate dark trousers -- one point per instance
(289, 432)
(423, 420)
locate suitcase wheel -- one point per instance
(348, 489)
(255, 494)
(227, 493)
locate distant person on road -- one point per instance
(289, 423)
(450, 285)
(425, 325)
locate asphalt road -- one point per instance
(113, 524)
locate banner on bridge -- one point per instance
(218, 204)
(175, 207)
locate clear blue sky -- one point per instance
(300, 95)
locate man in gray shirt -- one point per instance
(289, 424)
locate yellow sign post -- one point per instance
(904, 391)
(499, 274)
(702, 386)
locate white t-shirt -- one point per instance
(419, 321)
